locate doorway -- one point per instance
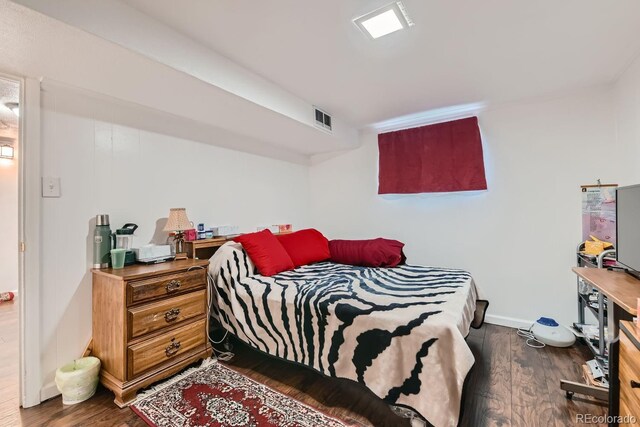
(10, 397)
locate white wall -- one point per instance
(627, 110)
(9, 221)
(136, 176)
(518, 239)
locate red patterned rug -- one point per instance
(215, 395)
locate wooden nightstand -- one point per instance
(149, 322)
(204, 248)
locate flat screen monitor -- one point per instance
(628, 227)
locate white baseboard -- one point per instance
(510, 322)
(48, 391)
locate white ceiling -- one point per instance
(458, 52)
(9, 93)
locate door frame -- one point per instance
(29, 218)
(29, 170)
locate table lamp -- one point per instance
(178, 222)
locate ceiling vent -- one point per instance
(323, 120)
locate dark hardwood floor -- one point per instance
(510, 385)
(9, 364)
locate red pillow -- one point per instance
(305, 246)
(367, 253)
(266, 252)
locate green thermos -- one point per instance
(102, 242)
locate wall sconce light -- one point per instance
(6, 152)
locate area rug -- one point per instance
(215, 395)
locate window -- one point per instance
(436, 158)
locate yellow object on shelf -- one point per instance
(596, 246)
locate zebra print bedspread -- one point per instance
(398, 331)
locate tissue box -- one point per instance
(153, 253)
(226, 230)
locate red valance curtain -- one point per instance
(431, 159)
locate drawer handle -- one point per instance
(635, 384)
(173, 286)
(172, 348)
(172, 315)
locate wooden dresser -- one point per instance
(149, 322)
(629, 373)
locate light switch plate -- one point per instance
(50, 186)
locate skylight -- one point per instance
(385, 20)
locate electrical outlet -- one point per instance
(50, 186)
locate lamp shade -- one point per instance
(178, 220)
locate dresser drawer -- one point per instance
(165, 348)
(166, 312)
(629, 368)
(162, 286)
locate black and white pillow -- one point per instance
(233, 258)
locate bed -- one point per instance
(398, 331)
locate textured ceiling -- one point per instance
(458, 52)
(9, 92)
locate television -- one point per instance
(628, 228)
